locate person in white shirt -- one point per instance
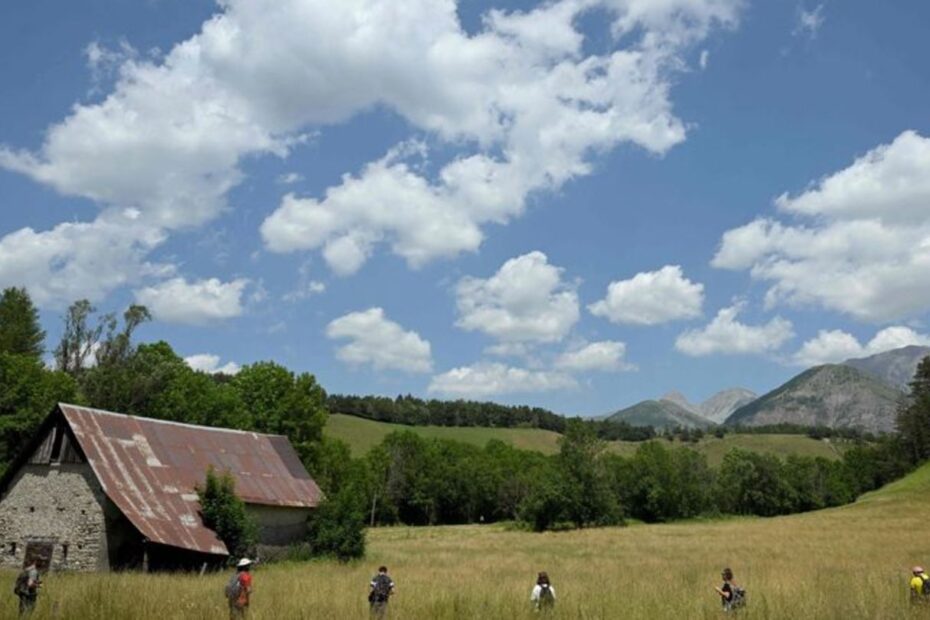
(543, 596)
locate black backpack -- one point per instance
(21, 588)
(382, 590)
(925, 586)
(546, 598)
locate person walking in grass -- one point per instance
(543, 594)
(731, 595)
(27, 589)
(380, 591)
(239, 590)
(919, 585)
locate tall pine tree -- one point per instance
(20, 332)
(914, 417)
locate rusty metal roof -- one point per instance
(149, 468)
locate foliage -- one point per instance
(78, 338)
(20, 333)
(28, 392)
(913, 421)
(337, 526)
(224, 513)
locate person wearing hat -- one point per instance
(920, 588)
(239, 590)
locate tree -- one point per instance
(20, 332)
(78, 340)
(28, 392)
(278, 401)
(584, 477)
(337, 526)
(913, 421)
(224, 513)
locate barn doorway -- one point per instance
(41, 552)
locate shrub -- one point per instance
(224, 513)
(337, 528)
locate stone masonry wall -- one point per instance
(58, 503)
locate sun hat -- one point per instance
(243, 562)
(917, 569)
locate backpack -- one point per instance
(233, 588)
(382, 590)
(739, 597)
(546, 598)
(925, 586)
(21, 588)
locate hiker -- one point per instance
(920, 585)
(731, 595)
(239, 590)
(543, 595)
(381, 590)
(27, 589)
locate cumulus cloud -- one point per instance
(380, 342)
(836, 345)
(606, 356)
(210, 363)
(865, 248)
(650, 298)
(726, 335)
(80, 260)
(195, 303)
(525, 301)
(522, 102)
(489, 379)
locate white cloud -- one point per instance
(79, 260)
(809, 22)
(866, 248)
(526, 108)
(196, 303)
(728, 336)
(489, 379)
(650, 298)
(525, 301)
(209, 363)
(380, 342)
(705, 57)
(836, 345)
(607, 356)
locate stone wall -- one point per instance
(61, 504)
(279, 525)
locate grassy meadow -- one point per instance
(362, 435)
(842, 563)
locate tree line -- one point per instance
(411, 480)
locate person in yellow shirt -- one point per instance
(920, 585)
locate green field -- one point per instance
(362, 435)
(839, 564)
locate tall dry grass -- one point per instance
(844, 563)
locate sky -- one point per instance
(577, 204)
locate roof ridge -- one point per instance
(172, 422)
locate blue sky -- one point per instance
(578, 204)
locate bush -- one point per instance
(224, 513)
(337, 527)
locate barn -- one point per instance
(96, 490)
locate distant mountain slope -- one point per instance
(721, 405)
(660, 413)
(681, 400)
(831, 395)
(895, 367)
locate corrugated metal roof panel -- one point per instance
(149, 468)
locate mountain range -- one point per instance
(674, 409)
(860, 393)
